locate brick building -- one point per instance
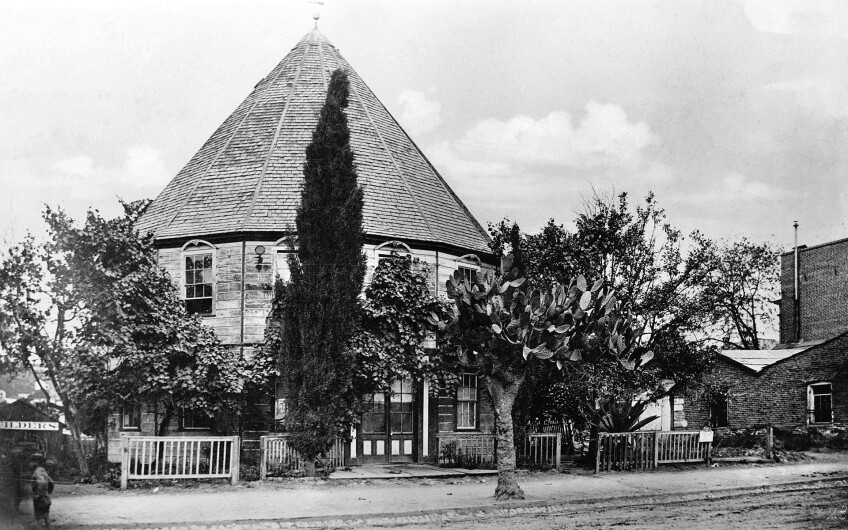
(803, 381)
(796, 385)
(822, 292)
(223, 224)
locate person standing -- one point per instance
(42, 488)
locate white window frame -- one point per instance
(390, 249)
(282, 247)
(194, 248)
(471, 403)
(126, 426)
(469, 262)
(811, 401)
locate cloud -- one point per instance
(142, 168)
(418, 114)
(736, 187)
(78, 182)
(787, 17)
(604, 138)
(827, 95)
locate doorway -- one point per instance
(388, 426)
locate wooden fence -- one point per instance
(648, 449)
(463, 449)
(277, 456)
(542, 450)
(167, 457)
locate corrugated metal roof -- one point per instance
(247, 177)
(757, 360)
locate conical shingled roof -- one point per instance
(247, 177)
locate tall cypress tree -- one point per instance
(321, 301)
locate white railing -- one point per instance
(168, 457)
(276, 456)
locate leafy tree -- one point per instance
(394, 327)
(92, 308)
(327, 276)
(638, 253)
(738, 292)
(502, 325)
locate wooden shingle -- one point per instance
(247, 177)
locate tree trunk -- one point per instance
(503, 395)
(76, 436)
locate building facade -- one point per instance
(822, 281)
(801, 382)
(224, 226)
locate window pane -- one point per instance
(200, 276)
(199, 305)
(207, 291)
(281, 264)
(207, 261)
(821, 389)
(189, 263)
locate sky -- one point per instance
(734, 113)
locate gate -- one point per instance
(167, 457)
(278, 456)
(648, 449)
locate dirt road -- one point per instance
(808, 494)
(807, 508)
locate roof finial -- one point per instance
(316, 13)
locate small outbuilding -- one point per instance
(24, 430)
(803, 384)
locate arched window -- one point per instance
(391, 249)
(282, 251)
(199, 276)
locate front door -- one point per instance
(388, 426)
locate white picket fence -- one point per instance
(168, 457)
(276, 454)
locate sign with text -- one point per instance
(29, 425)
(705, 436)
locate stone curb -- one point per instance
(508, 509)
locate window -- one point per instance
(466, 402)
(198, 283)
(820, 403)
(374, 418)
(401, 406)
(131, 417)
(718, 412)
(281, 264)
(468, 274)
(195, 419)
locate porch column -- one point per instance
(425, 431)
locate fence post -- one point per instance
(263, 466)
(235, 459)
(598, 454)
(125, 461)
(559, 452)
(656, 449)
(769, 442)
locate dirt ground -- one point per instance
(806, 509)
(809, 493)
